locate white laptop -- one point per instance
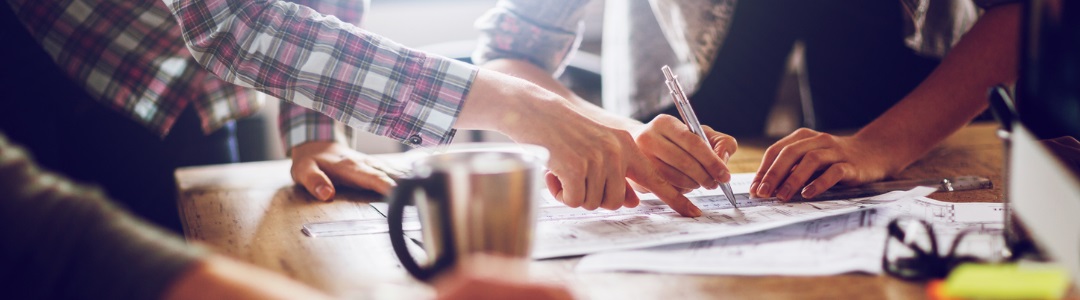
(1046, 195)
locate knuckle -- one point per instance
(729, 143)
(846, 170)
(623, 137)
(823, 139)
(784, 151)
(611, 150)
(688, 136)
(715, 164)
(646, 138)
(770, 177)
(576, 173)
(665, 119)
(573, 168)
(351, 163)
(773, 150)
(804, 132)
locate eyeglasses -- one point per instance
(911, 249)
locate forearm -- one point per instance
(318, 62)
(532, 73)
(520, 109)
(217, 277)
(954, 93)
(502, 104)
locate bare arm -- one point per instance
(580, 146)
(532, 73)
(943, 103)
(956, 91)
(532, 39)
(673, 149)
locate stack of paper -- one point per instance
(840, 244)
(761, 237)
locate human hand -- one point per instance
(486, 277)
(682, 157)
(318, 165)
(579, 156)
(791, 162)
(590, 162)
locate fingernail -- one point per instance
(323, 192)
(695, 211)
(808, 191)
(753, 188)
(765, 189)
(785, 192)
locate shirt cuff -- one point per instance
(298, 125)
(433, 101)
(543, 37)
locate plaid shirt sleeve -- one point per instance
(319, 62)
(298, 125)
(538, 31)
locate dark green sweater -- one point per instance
(61, 240)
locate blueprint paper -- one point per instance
(840, 244)
(653, 225)
(565, 231)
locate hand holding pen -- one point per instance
(681, 156)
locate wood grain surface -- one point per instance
(254, 212)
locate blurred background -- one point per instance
(448, 30)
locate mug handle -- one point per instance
(399, 198)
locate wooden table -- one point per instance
(254, 211)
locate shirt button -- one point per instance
(415, 139)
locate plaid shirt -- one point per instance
(319, 62)
(129, 56)
(298, 125)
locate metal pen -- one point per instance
(687, 113)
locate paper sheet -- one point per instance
(846, 243)
(652, 225)
(564, 231)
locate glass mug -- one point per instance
(470, 198)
